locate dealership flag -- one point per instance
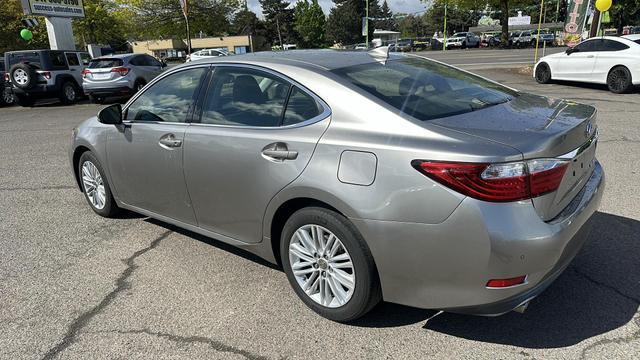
(576, 19)
(185, 7)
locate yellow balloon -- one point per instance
(603, 5)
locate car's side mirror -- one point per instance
(112, 115)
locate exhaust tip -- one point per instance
(522, 307)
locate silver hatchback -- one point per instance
(119, 75)
(366, 176)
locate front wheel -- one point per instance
(619, 80)
(543, 73)
(329, 265)
(95, 186)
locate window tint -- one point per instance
(57, 59)
(85, 58)
(586, 46)
(31, 57)
(136, 61)
(72, 59)
(151, 61)
(300, 107)
(169, 99)
(242, 96)
(104, 63)
(611, 45)
(425, 89)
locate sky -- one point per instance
(397, 6)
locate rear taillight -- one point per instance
(121, 70)
(500, 182)
(6, 77)
(46, 74)
(85, 72)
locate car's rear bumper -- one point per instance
(447, 265)
(39, 90)
(109, 91)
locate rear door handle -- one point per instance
(169, 141)
(279, 151)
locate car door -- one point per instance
(145, 153)
(256, 134)
(75, 66)
(610, 54)
(578, 64)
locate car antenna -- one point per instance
(380, 54)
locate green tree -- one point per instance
(389, 23)
(100, 25)
(344, 25)
(245, 22)
(10, 26)
(310, 24)
(279, 21)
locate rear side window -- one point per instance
(610, 45)
(31, 57)
(425, 89)
(169, 99)
(242, 96)
(300, 107)
(57, 59)
(72, 59)
(105, 63)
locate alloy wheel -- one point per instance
(20, 76)
(93, 185)
(7, 96)
(70, 92)
(322, 266)
(617, 80)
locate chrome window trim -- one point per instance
(326, 110)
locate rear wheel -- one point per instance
(329, 265)
(95, 186)
(68, 93)
(7, 97)
(619, 80)
(543, 73)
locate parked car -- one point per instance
(634, 37)
(520, 39)
(361, 46)
(366, 175)
(5, 89)
(463, 40)
(403, 45)
(614, 61)
(206, 53)
(38, 74)
(491, 39)
(545, 38)
(119, 75)
(421, 44)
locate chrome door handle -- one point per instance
(278, 151)
(169, 141)
(589, 56)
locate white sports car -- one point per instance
(614, 61)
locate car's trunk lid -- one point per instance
(539, 127)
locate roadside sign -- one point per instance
(576, 19)
(54, 8)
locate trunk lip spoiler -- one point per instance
(573, 153)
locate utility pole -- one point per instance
(185, 12)
(279, 35)
(444, 41)
(366, 21)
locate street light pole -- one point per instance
(366, 22)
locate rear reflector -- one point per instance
(503, 283)
(500, 182)
(85, 72)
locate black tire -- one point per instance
(464, 45)
(69, 93)
(24, 100)
(619, 80)
(139, 84)
(23, 76)
(366, 292)
(96, 99)
(543, 73)
(110, 207)
(7, 97)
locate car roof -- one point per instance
(326, 59)
(624, 40)
(118, 56)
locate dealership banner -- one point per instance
(576, 20)
(55, 8)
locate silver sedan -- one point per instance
(366, 176)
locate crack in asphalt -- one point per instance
(121, 284)
(618, 340)
(589, 278)
(52, 187)
(214, 344)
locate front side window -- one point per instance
(585, 46)
(243, 96)
(425, 89)
(169, 99)
(72, 59)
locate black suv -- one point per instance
(37, 74)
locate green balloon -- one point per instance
(26, 34)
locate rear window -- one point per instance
(105, 63)
(31, 57)
(425, 89)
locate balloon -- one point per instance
(26, 34)
(603, 5)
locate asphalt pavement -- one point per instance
(74, 285)
(489, 58)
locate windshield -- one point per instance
(425, 89)
(105, 63)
